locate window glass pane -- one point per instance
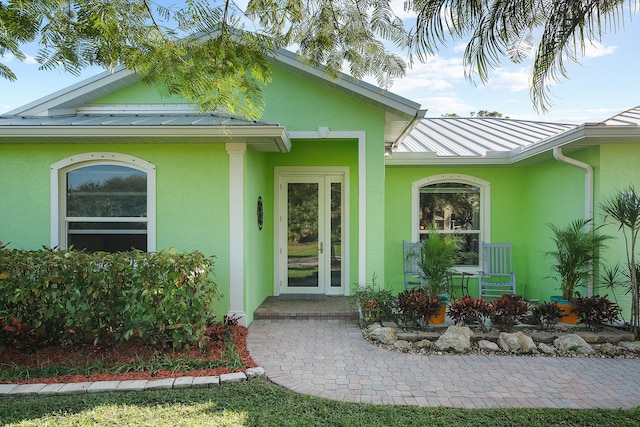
(106, 191)
(108, 242)
(449, 206)
(468, 248)
(336, 234)
(106, 226)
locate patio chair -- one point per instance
(497, 277)
(410, 257)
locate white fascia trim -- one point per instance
(236, 153)
(42, 106)
(132, 131)
(361, 136)
(79, 160)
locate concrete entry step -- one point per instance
(331, 307)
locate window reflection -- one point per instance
(106, 208)
(452, 208)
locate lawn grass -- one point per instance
(261, 403)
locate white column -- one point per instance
(236, 230)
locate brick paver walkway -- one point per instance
(329, 358)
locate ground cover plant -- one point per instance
(261, 403)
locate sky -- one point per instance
(604, 83)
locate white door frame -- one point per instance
(285, 174)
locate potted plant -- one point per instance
(577, 249)
(438, 257)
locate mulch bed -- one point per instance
(129, 352)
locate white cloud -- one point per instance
(577, 116)
(7, 57)
(515, 80)
(398, 8)
(596, 49)
(30, 60)
(436, 106)
(10, 57)
(460, 47)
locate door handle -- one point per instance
(321, 247)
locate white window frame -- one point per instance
(59, 184)
(485, 203)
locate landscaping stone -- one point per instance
(408, 336)
(183, 382)
(488, 345)
(541, 336)
(630, 346)
(132, 385)
(204, 382)
(546, 348)
(456, 338)
(609, 349)
(422, 344)
(235, 377)
(27, 389)
(369, 329)
(384, 335)
(402, 345)
(254, 373)
(163, 384)
(49, 389)
(572, 342)
(516, 342)
(589, 337)
(101, 386)
(7, 388)
(75, 388)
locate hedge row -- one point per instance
(74, 297)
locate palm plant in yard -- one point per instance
(624, 209)
(577, 249)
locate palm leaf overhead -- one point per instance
(551, 31)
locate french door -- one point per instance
(311, 232)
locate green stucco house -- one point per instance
(315, 197)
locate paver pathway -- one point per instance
(329, 358)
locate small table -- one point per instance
(463, 281)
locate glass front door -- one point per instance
(311, 234)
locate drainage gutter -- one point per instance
(588, 194)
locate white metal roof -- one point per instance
(476, 136)
(630, 117)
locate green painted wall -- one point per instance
(258, 244)
(555, 195)
(191, 179)
(619, 170)
(506, 212)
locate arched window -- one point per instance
(103, 202)
(453, 204)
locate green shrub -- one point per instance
(468, 310)
(417, 305)
(547, 314)
(595, 311)
(508, 310)
(75, 297)
(374, 302)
